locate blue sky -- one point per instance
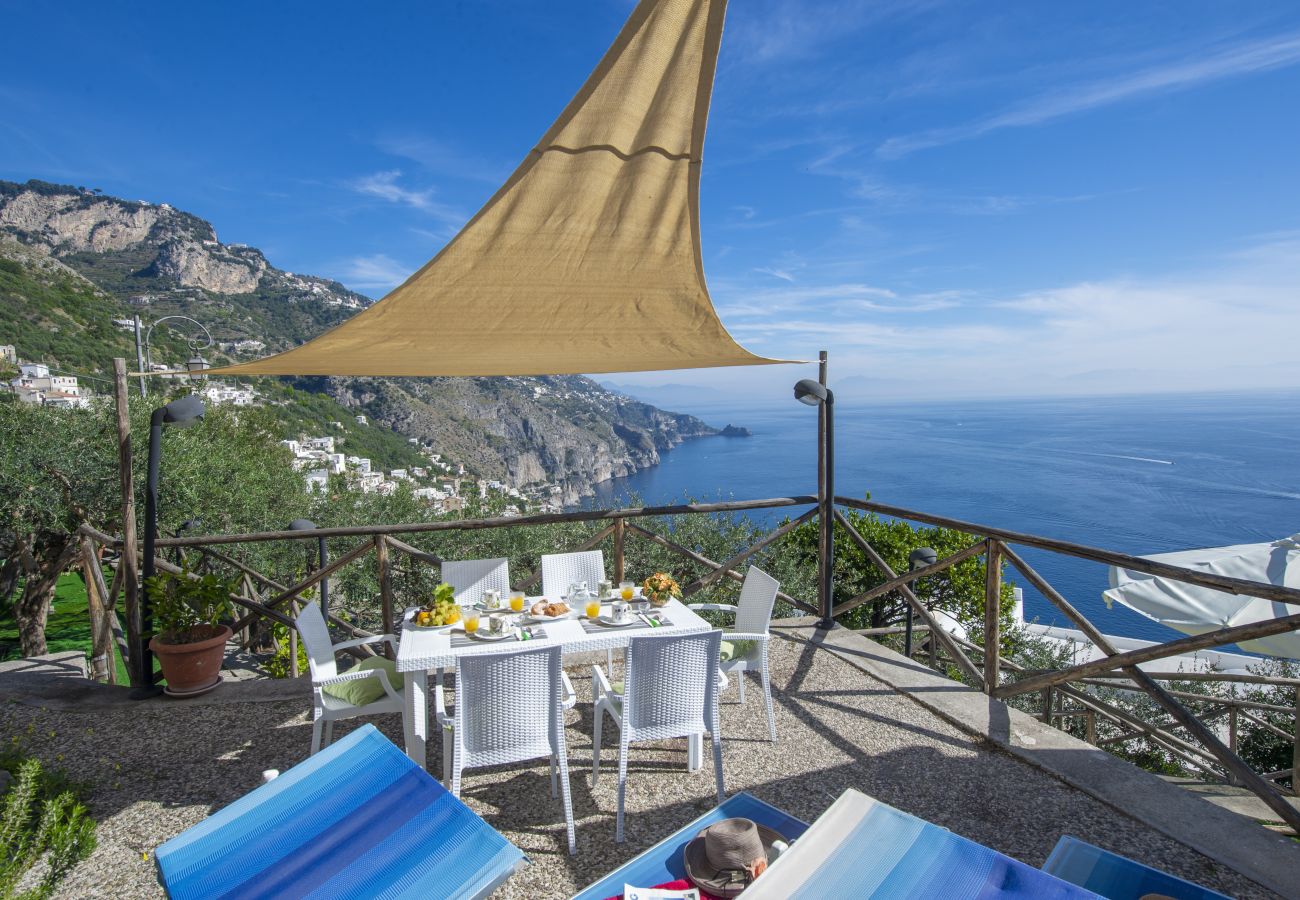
(955, 199)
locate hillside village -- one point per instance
(442, 483)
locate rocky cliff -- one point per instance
(154, 260)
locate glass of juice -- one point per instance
(593, 608)
(517, 601)
(469, 615)
(626, 589)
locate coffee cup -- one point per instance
(497, 623)
(618, 610)
(492, 599)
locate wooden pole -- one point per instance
(293, 642)
(620, 529)
(101, 639)
(1295, 748)
(130, 565)
(992, 616)
(1046, 715)
(1090, 722)
(385, 588)
(898, 581)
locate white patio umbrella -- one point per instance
(1196, 610)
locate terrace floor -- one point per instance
(158, 767)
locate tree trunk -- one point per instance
(9, 573)
(52, 552)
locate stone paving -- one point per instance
(155, 768)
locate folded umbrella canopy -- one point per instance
(1196, 610)
(588, 258)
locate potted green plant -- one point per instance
(191, 640)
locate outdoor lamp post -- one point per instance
(180, 413)
(814, 393)
(308, 525)
(144, 358)
(917, 559)
(187, 525)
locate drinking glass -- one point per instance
(469, 615)
(626, 589)
(593, 608)
(517, 601)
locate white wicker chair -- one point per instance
(327, 709)
(670, 690)
(753, 615)
(559, 570)
(471, 577)
(509, 707)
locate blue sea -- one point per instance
(1144, 474)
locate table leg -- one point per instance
(694, 752)
(416, 726)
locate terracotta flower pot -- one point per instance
(192, 667)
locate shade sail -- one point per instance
(1196, 610)
(588, 258)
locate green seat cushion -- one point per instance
(367, 690)
(737, 649)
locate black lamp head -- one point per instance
(810, 392)
(183, 412)
(302, 525)
(190, 525)
(922, 557)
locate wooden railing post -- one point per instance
(293, 642)
(101, 635)
(993, 616)
(1048, 697)
(620, 529)
(385, 588)
(1090, 722)
(130, 565)
(1232, 737)
(1295, 747)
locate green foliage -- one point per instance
(958, 589)
(40, 818)
(278, 666)
(68, 627)
(1261, 748)
(188, 606)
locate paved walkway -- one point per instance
(159, 766)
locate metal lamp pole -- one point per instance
(180, 413)
(814, 393)
(308, 525)
(917, 559)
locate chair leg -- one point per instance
(717, 765)
(447, 750)
(329, 731)
(554, 786)
(316, 726)
(596, 729)
(568, 800)
(767, 699)
(622, 789)
(740, 681)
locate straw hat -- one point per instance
(717, 859)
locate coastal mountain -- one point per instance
(72, 260)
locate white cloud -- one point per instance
(1242, 58)
(384, 186)
(782, 274)
(1231, 325)
(379, 272)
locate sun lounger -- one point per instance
(863, 848)
(663, 863)
(358, 819)
(1117, 877)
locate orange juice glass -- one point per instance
(470, 618)
(626, 590)
(593, 609)
(517, 601)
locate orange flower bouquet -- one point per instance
(659, 587)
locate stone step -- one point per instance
(68, 663)
(1234, 799)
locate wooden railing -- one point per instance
(1067, 693)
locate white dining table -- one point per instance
(422, 650)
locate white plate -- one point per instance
(488, 636)
(610, 623)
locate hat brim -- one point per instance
(701, 873)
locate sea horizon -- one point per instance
(1135, 473)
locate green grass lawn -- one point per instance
(68, 627)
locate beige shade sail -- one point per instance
(588, 258)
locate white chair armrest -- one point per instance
(373, 639)
(357, 676)
(745, 636)
(440, 706)
(570, 695)
(603, 687)
(715, 607)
